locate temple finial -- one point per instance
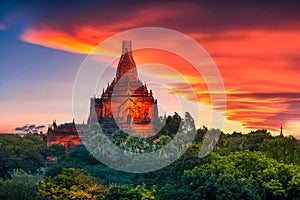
(126, 47)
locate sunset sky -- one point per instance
(255, 45)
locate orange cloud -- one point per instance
(58, 40)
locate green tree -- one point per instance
(130, 192)
(77, 157)
(119, 137)
(243, 175)
(71, 184)
(107, 176)
(200, 134)
(254, 139)
(281, 149)
(27, 153)
(21, 186)
(173, 124)
(57, 150)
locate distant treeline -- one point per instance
(242, 166)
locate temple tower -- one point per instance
(126, 103)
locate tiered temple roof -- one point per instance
(126, 103)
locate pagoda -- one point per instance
(126, 103)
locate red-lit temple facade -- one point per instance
(65, 134)
(126, 103)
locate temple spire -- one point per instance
(126, 67)
(281, 133)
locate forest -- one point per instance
(254, 165)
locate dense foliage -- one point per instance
(71, 184)
(27, 153)
(256, 165)
(242, 175)
(21, 185)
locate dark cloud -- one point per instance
(249, 14)
(192, 16)
(287, 95)
(30, 128)
(291, 113)
(246, 110)
(204, 16)
(41, 126)
(255, 110)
